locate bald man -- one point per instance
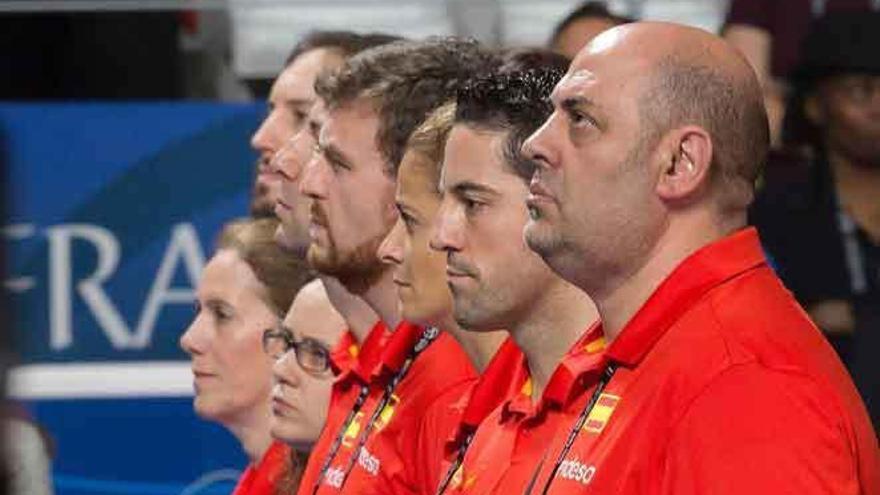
(714, 380)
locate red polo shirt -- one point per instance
(385, 465)
(723, 386)
(353, 365)
(260, 479)
(457, 414)
(513, 439)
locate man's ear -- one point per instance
(686, 159)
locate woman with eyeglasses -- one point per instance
(246, 287)
(301, 347)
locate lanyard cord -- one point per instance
(428, 336)
(578, 425)
(459, 459)
(337, 442)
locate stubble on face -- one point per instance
(263, 196)
(357, 269)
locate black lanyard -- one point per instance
(429, 335)
(337, 442)
(459, 458)
(607, 374)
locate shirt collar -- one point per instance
(496, 383)
(585, 356)
(367, 355)
(699, 273)
(344, 355)
(275, 455)
(398, 348)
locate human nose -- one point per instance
(286, 370)
(314, 181)
(539, 146)
(191, 341)
(391, 249)
(446, 234)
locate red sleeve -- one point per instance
(756, 13)
(759, 431)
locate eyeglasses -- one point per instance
(310, 354)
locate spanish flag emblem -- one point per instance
(352, 431)
(601, 413)
(387, 413)
(595, 345)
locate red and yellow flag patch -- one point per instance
(601, 413)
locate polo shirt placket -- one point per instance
(452, 421)
(513, 439)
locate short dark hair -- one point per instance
(405, 81)
(587, 10)
(731, 109)
(528, 58)
(346, 43)
(514, 102)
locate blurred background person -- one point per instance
(301, 347)
(581, 25)
(245, 289)
(770, 35)
(290, 98)
(819, 213)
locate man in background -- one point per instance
(290, 99)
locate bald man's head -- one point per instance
(695, 78)
(658, 133)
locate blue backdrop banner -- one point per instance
(114, 209)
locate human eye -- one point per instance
(222, 312)
(299, 116)
(580, 119)
(472, 206)
(337, 164)
(314, 355)
(409, 221)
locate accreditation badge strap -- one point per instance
(607, 374)
(459, 459)
(429, 335)
(337, 442)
